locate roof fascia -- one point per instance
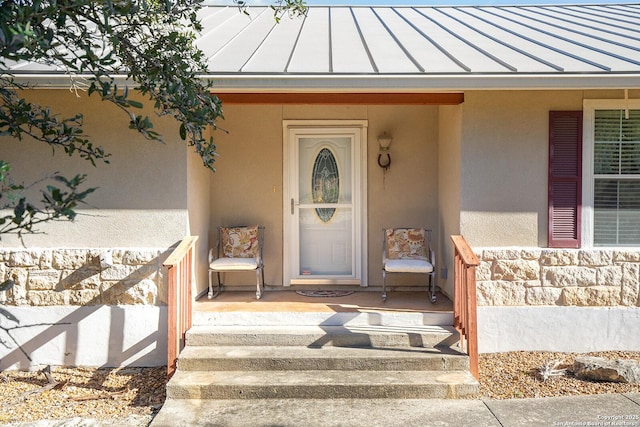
(377, 83)
(422, 83)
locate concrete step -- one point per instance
(325, 384)
(323, 336)
(350, 318)
(254, 358)
(357, 412)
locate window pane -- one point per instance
(617, 142)
(617, 212)
(606, 158)
(631, 127)
(630, 158)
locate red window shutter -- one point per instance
(565, 178)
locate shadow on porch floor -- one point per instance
(290, 301)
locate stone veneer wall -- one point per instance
(74, 277)
(558, 277)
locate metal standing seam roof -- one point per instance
(421, 47)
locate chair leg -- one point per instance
(212, 293)
(220, 285)
(432, 289)
(384, 285)
(259, 284)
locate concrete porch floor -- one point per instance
(290, 301)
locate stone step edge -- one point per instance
(255, 351)
(321, 384)
(256, 358)
(425, 336)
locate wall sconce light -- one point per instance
(384, 158)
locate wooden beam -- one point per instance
(344, 98)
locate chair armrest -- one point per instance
(211, 255)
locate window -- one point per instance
(611, 173)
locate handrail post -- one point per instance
(180, 267)
(465, 316)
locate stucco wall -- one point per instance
(199, 207)
(504, 163)
(450, 145)
(141, 200)
(504, 172)
(247, 187)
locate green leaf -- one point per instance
(135, 104)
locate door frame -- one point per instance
(360, 205)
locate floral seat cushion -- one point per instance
(234, 264)
(408, 266)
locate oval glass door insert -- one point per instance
(325, 183)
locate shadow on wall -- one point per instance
(101, 332)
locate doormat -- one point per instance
(324, 294)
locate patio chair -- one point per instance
(237, 249)
(408, 250)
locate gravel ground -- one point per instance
(515, 375)
(131, 397)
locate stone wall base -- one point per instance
(558, 277)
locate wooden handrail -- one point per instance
(465, 300)
(180, 267)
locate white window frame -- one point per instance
(588, 142)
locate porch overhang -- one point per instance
(338, 98)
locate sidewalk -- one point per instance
(591, 410)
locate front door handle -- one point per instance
(293, 206)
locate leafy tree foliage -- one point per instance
(56, 203)
(95, 43)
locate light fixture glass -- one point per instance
(384, 141)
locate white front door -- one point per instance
(324, 202)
